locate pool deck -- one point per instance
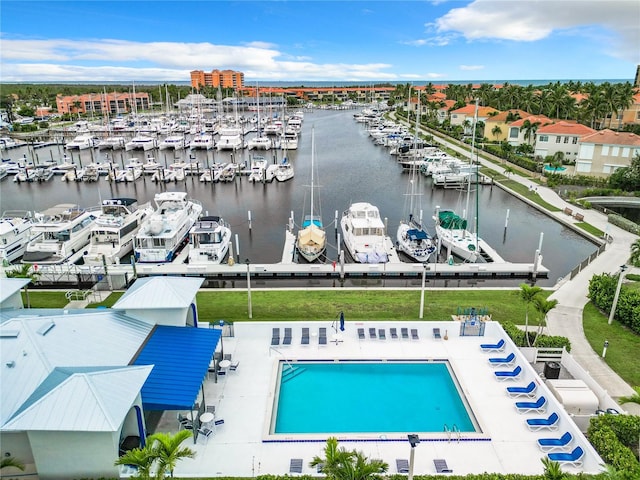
(244, 399)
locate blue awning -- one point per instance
(180, 357)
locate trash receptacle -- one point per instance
(552, 370)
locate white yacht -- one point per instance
(59, 235)
(289, 140)
(15, 227)
(167, 229)
(204, 141)
(209, 241)
(230, 139)
(259, 143)
(64, 167)
(114, 231)
(150, 166)
(111, 143)
(81, 142)
(284, 171)
(173, 142)
(258, 171)
(7, 142)
(141, 142)
(363, 233)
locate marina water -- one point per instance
(350, 168)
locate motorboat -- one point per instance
(289, 140)
(91, 173)
(209, 241)
(363, 233)
(259, 143)
(258, 170)
(7, 143)
(73, 175)
(229, 172)
(274, 128)
(311, 240)
(230, 139)
(193, 168)
(129, 174)
(59, 235)
(212, 174)
(64, 167)
(112, 143)
(166, 230)
(26, 174)
(150, 166)
(141, 142)
(173, 142)
(204, 141)
(4, 172)
(81, 142)
(15, 227)
(284, 171)
(114, 230)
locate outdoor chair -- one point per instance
(550, 423)
(555, 444)
(211, 409)
(234, 366)
(275, 336)
(372, 333)
(441, 465)
(436, 333)
(574, 458)
(287, 337)
(322, 336)
(381, 334)
(528, 391)
(295, 466)
(226, 356)
(502, 361)
(361, 333)
(508, 375)
(393, 332)
(204, 432)
(402, 465)
(493, 347)
(404, 332)
(414, 334)
(539, 406)
(186, 424)
(305, 336)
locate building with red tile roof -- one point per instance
(560, 137)
(603, 152)
(502, 121)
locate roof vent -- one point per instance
(6, 333)
(44, 329)
(11, 364)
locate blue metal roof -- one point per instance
(180, 356)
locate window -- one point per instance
(557, 139)
(514, 132)
(543, 138)
(625, 152)
(615, 151)
(575, 140)
(566, 139)
(605, 150)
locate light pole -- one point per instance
(425, 267)
(221, 342)
(615, 298)
(413, 440)
(249, 287)
(604, 349)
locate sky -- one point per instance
(340, 41)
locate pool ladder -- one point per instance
(454, 431)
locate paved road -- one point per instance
(566, 318)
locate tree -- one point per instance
(635, 398)
(527, 294)
(342, 464)
(141, 458)
(496, 131)
(543, 306)
(635, 254)
(11, 462)
(552, 470)
(168, 450)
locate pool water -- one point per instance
(366, 397)
(549, 168)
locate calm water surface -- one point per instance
(349, 169)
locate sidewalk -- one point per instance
(566, 319)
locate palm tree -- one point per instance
(635, 398)
(635, 254)
(168, 449)
(496, 131)
(11, 462)
(141, 458)
(509, 170)
(552, 470)
(341, 464)
(543, 306)
(527, 293)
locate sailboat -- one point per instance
(311, 241)
(411, 237)
(451, 228)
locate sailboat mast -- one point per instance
(473, 141)
(313, 150)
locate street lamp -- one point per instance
(604, 349)
(221, 342)
(249, 288)
(615, 298)
(413, 440)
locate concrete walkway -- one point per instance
(566, 319)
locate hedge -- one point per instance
(602, 289)
(614, 437)
(623, 223)
(544, 341)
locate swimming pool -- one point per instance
(369, 397)
(549, 168)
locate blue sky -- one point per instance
(364, 41)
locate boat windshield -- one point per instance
(101, 237)
(209, 238)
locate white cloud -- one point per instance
(528, 20)
(108, 60)
(471, 67)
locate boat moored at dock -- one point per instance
(15, 227)
(364, 234)
(209, 241)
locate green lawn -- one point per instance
(530, 195)
(590, 229)
(42, 299)
(622, 353)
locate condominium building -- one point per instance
(217, 78)
(113, 103)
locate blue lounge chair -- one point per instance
(382, 334)
(404, 332)
(372, 333)
(574, 458)
(402, 465)
(554, 444)
(539, 406)
(393, 332)
(322, 336)
(361, 333)
(295, 466)
(441, 465)
(287, 337)
(414, 334)
(305, 336)
(436, 333)
(508, 375)
(275, 336)
(550, 423)
(528, 391)
(493, 347)
(502, 361)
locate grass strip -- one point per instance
(528, 194)
(587, 227)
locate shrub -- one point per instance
(614, 437)
(544, 341)
(625, 224)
